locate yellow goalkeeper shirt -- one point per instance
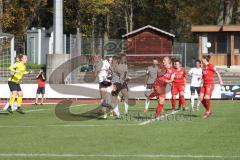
(18, 70)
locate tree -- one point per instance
(226, 11)
(1, 13)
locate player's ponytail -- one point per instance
(19, 57)
(207, 57)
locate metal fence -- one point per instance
(6, 54)
(76, 46)
(189, 52)
(88, 46)
(186, 52)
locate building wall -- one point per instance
(37, 46)
(149, 42)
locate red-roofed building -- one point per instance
(148, 40)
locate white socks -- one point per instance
(192, 100)
(146, 104)
(199, 102)
(115, 109)
(125, 107)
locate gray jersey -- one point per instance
(115, 75)
(123, 72)
(152, 74)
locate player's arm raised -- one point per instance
(43, 77)
(190, 73)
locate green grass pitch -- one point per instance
(40, 135)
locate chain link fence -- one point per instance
(186, 52)
(6, 55)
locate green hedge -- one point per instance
(34, 66)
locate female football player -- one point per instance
(123, 73)
(178, 85)
(18, 70)
(208, 84)
(164, 77)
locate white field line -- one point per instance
(33, 103)
(35, 110)
(92, 125)
(159, 118)
(62, 125)
(118, 155)
(43, 109)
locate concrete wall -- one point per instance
(59, 66)
(88, 90)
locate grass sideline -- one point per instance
(39, 134)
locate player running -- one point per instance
(178, 85)
(123, 73)
(196, 81)
(160, 85)
(151, 76)
(103, 72)
(18, 70)
(116, 85)
(208, 84)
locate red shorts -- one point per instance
(177, 89)
(160, 90)
(207, 89)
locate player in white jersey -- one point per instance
(103, 71)
(196, 82)
(111, 97)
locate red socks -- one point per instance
(173, 104)
(207, 104)
(181, 101)
(159, 109)
(204, 103)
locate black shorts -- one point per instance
(104, 84)
(125, 85)
(14, 86)
(41, 90)
(149, 86)
(193, 89)
(119, 87)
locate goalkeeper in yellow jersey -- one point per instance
(18, 70)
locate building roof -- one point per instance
(215, 28)
(146, 27)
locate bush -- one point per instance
(34, 66)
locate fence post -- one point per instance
(70, 55)
(185, 54)
(13, 53)
(79, 43)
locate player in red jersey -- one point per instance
(178, 85)
(208, 84)
(164, 77)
